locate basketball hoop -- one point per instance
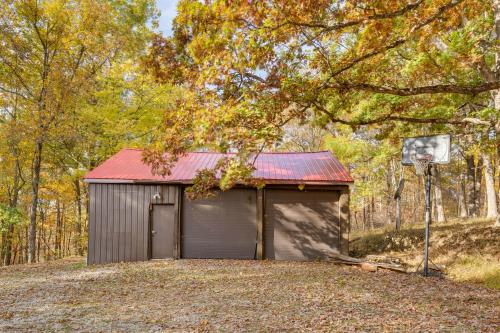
(421, 162)
(420, 152)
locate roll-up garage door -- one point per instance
(220, 227)
(301, 225)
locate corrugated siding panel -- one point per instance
(133, 212)
(99, 221)
(149, 191)
(91, 224)
(107, 215)
(119, 220)
(118, 193)
(128, 222)
(140, 218)
(144, 226)
(115, 199)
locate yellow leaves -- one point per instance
(254, 65)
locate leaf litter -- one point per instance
(237, 296)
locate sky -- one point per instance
(168, 11)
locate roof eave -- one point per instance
(190, 182)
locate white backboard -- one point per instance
(437, 145)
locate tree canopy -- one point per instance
(81, 79)
(255, 66)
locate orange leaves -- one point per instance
(255, 65)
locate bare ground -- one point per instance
(213, 295)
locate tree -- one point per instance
(438, 196)
(302, 137)
(51, 52)
(254, 66)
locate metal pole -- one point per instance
(427, 220)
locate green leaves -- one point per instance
(253, 67)
(9, 216)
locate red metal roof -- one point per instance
(274, 168)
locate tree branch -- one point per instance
(412, 91)
(397, 42)
(347, 24)
(5, 90)
(392, 117)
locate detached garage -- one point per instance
(302, 212)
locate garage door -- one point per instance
(301, 225)
(220, 227)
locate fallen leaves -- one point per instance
(232, 295)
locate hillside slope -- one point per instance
(466, 250)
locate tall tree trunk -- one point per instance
(35, 184)
(8, 235)
(438, 195)
(472, 207)
(2, 247)
(491, 198)
(37, 156)
(478, 184)
(364, 213)
(496, 93)
(41, 233)
(418, 195)
(389, 195)
(59, 239)
(16, 188)
(462, 205)
(78, 227)
(26, 245)
(372, 213)
(396, 186)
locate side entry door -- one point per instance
(162, 231)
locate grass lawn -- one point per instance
(230, 295)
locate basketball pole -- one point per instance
(427, 219)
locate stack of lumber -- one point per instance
(371, 263)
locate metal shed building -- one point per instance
(302, 213)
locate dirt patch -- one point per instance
(230, 295)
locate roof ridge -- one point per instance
(295, 152)
(264, 152)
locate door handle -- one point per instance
(153, 232)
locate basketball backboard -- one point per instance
(437, 145)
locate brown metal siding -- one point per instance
(119, 220)
(220, 227)
(107, 213)
(100, 231)
(301, 225)
(91, 235)
(113, 196)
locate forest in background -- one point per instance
(80, 80)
